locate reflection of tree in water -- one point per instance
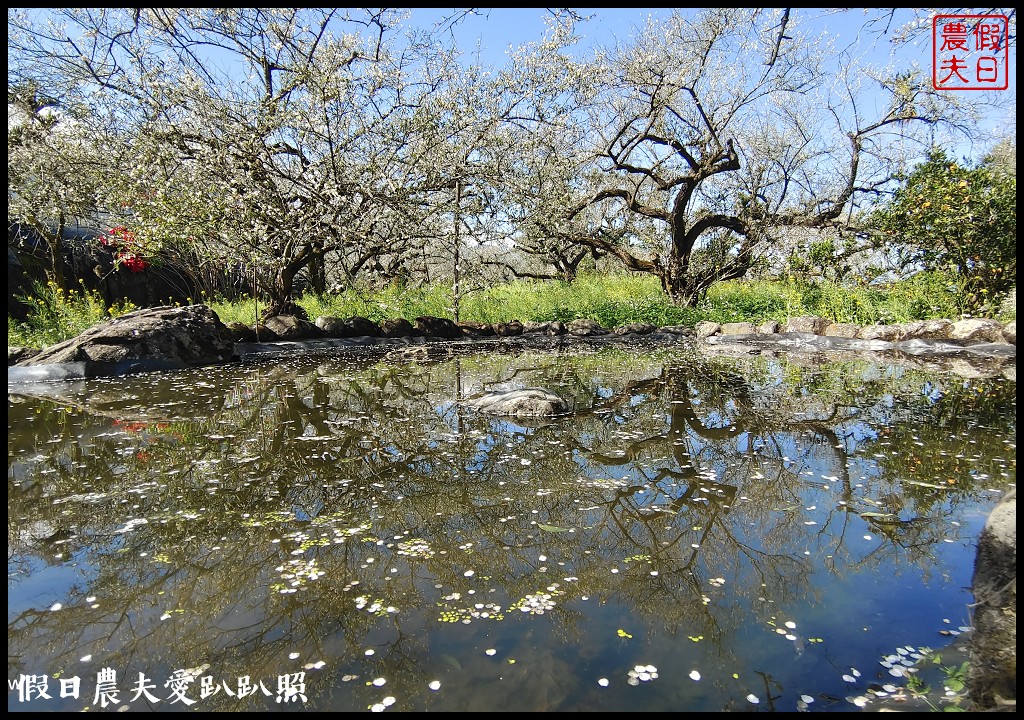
(376, 476)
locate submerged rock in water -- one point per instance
(992, 672)
(522, 402)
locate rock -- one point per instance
(843, 330)
(926, 330)
(635, 329)
(992, 671)
(706, 328)
(683, 330)
(437, 327)
(476, 329)
(807, 324)
(355, 326)
(523, 402)
(977, 330)
(554, 327)
(292, 327)
(888, 333)
(397, 327)
(737, 328)
(169, 336)
(768, 327)
(585, 327)
(1010, 332)
(17, 354)
(507, 329)
(242, 332)
(263, 334)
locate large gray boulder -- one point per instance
(292, 327)
(977, 330)
(167, 336)
(992, 671)
(522, 402)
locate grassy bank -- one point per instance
(611, 300)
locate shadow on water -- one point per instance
(343, 533)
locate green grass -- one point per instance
(611, 300)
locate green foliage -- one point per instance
(958, 219)
(751, 301)
(611, 300)
(56, 315)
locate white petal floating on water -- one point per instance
(791, 625)
(377, 707)
(855, 671)
(85, 658)
(388, 701)
(603, 682)
(694, 675)
(56, 606)
(369, 651)
(849, 678)
(753, 699)
(292, 656)
(490, 651)
(434, 685)
(379, 681)
(807, 699)
(469, 573)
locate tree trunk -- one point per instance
(676, 282)
(279, 293)
(457, 260)
(317, 274)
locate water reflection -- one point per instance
(346, 527)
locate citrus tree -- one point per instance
(961, 219)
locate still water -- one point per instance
(340, 532)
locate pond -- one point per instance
(340, 532)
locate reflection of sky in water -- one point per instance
(325, 508)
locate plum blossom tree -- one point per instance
(724, 130)
(264, 136)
